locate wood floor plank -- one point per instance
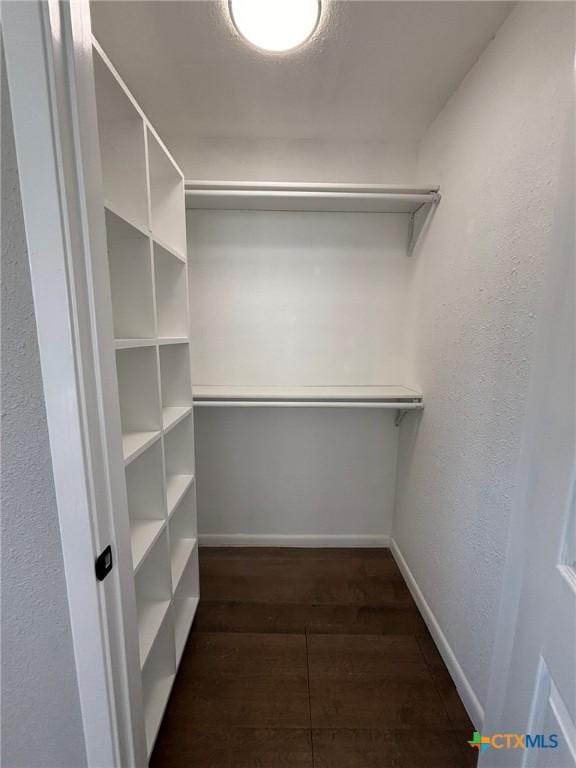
(305, 581)
(371, 682)
(243, 680)
(236, 616)
(186, 747)
(370, 748)
(226, 655)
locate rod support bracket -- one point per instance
(410, 243)
(399, 416)
(412, 234)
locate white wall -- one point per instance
(300, 160)
(297, 298)
(295, 475)
(41, 719)
(495, 149)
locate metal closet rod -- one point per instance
(424, 197)
(280, 186)
(412, 193)
(393, 405)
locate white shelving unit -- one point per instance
(396, 397)
(146, 238)
(384, 395)
(288, 217)
(256, 196)
(329, 198)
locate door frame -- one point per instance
(48, 51)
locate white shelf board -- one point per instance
(143, 535)
(162, 340)
(176, 487)
(151, 618)
(184, 612)
(173, 414)
(132, 343)
(181, 554)
(109, 206)
(373, 198)
(381, 396)
(135, 443)
(169, 249)
(155, 707)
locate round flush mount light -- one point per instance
(275, 25)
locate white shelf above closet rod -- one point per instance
(398, 398)
(372, 198)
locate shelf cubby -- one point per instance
(166, 198)
(176, 487)
(185, 602)
(176, 387)
(183, 537)
(146, 503)
(158, 676)
(173, 415)
(122, 148)
(131, 280)
(153, 593)
(171, 294)
(179, 450)
(173, 340)
(138, 389)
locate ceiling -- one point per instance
(375, 71)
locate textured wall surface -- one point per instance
(292, 298)
(495, 149)
(41, 720)
(300, 160)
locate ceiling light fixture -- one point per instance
(275, 25)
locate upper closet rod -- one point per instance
(291, 196)
(293, 186)
(309, 197)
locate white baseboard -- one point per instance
(469, 698)
(297, 540)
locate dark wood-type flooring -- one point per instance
(303, 658)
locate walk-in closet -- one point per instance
(302, 281)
